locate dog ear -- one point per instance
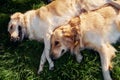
(68, 41)
(71, 42)
(17, 16)
(68, 37)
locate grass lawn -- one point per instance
(20, 61)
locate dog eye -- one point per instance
(56, 43)
(63, 51)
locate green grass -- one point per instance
(20, 61)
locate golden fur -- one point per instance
(95, 30)
(38, 24)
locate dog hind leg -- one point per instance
(107, 52)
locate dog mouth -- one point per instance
(20, 33)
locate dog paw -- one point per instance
(79, 59)
(51, 68)
(40, 70)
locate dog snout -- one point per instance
(14, 39)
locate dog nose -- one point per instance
(52, 57)
(12, 38)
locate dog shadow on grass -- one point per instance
(20, 61)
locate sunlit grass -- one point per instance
(20, 61)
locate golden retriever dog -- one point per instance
(94, 30)
(38, 24)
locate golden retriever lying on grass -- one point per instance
(38, 24)
(95, 30)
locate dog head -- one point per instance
(16, 27)
(65, 38)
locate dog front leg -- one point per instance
(107, 52)
(78, 54)
(78, 57)
(42, 62)
(47, 52)
(46, 55)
